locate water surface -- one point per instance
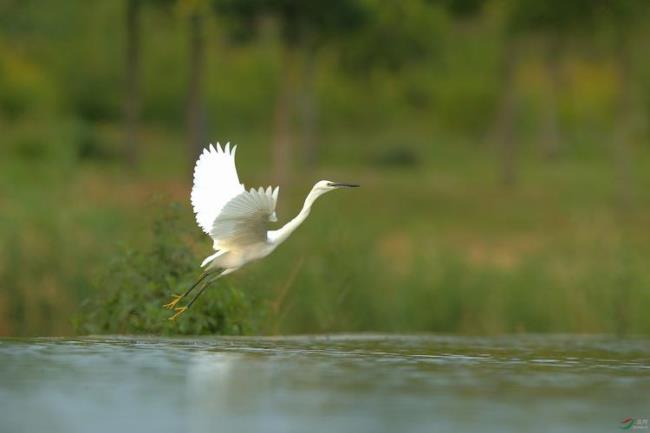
(366, 383)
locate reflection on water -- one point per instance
(323, 384)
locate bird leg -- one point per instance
(179, 311)
(173, 302)
(176, 298)
(226, 272)
(200, 292)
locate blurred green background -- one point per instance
(502, 148)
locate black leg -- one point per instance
(205, 274)
(181, 310)
(200, 292)
(177, 298)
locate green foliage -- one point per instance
(572, 17)
(300, 22)
(23, 85)
(396, 34)
(406, 100)
(462, 8)
(136, 283)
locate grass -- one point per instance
(434, 245)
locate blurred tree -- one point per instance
(132, 72)
(461, 8)
(195, 110)
(308, 108)
(396, 34)
(412, 39)
(281, 153)
(505, 118)
(305, 27)
(622, 18)
(555, 21)
(504, 122)
(625, 115)
(551, 133)
(308, 29)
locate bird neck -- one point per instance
(280, 235)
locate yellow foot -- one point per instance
(179, 311)
(173, 302)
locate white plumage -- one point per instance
(215, 183)
(243, 220)
(237, 220)
(224, 209)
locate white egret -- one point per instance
(237, 219)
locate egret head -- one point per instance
(327, 185)
(323, 186)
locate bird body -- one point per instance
(235, 258)
(237, 220)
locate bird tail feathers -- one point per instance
(211, 258)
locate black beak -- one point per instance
(345, 185)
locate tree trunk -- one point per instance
(195, 114)
(505, 119)
(132, 65)
(624, 127)
(281, 152)
(308, 109)
(550, 130)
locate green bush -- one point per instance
(135, 285)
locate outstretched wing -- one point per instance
(243, 220)
(215, 184)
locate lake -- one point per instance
(341, 383)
